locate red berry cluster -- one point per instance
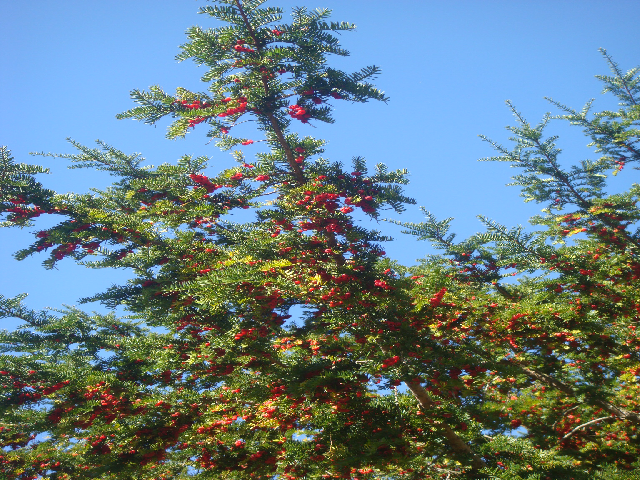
(382, 284)
(390, 361)
(64, 250)
(193, 106)
(241, 108)
(204, 181)
(239, 47)
(366, 204)
(195, 121)
(20, 213)
(436, 300)
(299, 158)
(299, 113)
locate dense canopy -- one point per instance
(286, 344)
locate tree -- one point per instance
(447, 369)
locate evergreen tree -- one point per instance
(447, 369)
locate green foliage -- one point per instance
(288, 60)
(20, 190)
(290, 346)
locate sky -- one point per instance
(447, 66)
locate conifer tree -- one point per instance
(447, 369)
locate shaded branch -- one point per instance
(580, 427)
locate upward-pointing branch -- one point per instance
(273, 121)
(457, 444)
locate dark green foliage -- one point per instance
(289, 346)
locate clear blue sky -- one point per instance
(448, 67)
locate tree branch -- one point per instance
(297, 171)
(607, 406)
(457, 444)
(579, 427)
